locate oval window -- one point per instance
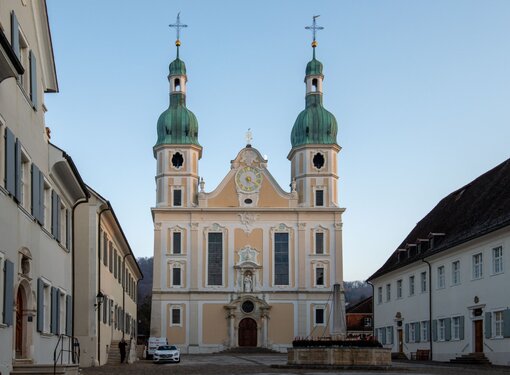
(318, 160)
(248, 307)
(248, 201)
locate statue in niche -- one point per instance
(248, 283)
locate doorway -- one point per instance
(479, 336)
(19, 323)
(247, 332)
(400, 341)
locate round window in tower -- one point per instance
(318, 160)
(177, 160)
(248, 307)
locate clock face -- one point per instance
(248, 179)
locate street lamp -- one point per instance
(99, 300)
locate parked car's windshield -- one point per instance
(167, 347)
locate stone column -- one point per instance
(339, 329)
(231, 328)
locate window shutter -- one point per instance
(417, 332)
(407, 332)
(68, 230)
(391, 336)
(35, 191)
(33, 80)
(506, 323)
(17, 170)
(59, 220)
(54, 298)
(448, 329)
(383, 336)
(461, 328)
(54, 213)
(488, 325)
(434, 330)
(15, 35)
(10, 162)
(57, 312)
(40, 305)
(40, 219)
(69, 315)
(8, 292)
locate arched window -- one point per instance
(177, 84)
(314, 85)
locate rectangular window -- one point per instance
(115, 264)
(423, 282)
(25, 181)
(215, 259)
(498, 324)
(2, 292)
(411, 285)
(412, 332)
(441, 330)
(440, 277)
(319, 243)
(497, 260)
(456, 272)
(424, 330)
(389, 335)
(319, 276)
(176, 276)
(105, 249)
(176, 242)
(319, 316)
(110, 262)
(319, 198)
(177, 195)
(62, 306)
(367, 322)
(281, 259)
(47, 307)
(399, 288)
(379, 294)
(477, 266)
(388, 292)
(176, 316)
(456, 328)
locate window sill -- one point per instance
(2, 325)
(497, 274)
(26, 95)
(46, 334)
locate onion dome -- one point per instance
(177, 67)
(314, 67)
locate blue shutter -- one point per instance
(448, 329)
(8, 292)
(407, 332)
(54, 298)
(69, 315)
(35, 191)
(17, 170)
(40, 305)
(434, 330)
(488, 325)
(68, 230)
(417, 332)
(10, 162)
(54, 213)
(383, 336)
(59, 220)
(506, 323)
(15, 35)
(33, 80)
(40, 219)
(461, 328)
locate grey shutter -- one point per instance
(488, 325)
(506, 323)
(10, 162)
(461, 328)
(40, 305)
(434, 330)
(54, 298)
(417, 332)
(54, 213)
(8, 292)
(15, 35)
(407, 332)
(35, 191)
(17, 170)
(69, 315)
(33, 80)
(40, 219)
(59, 220)
(391, 337)
(68, 230)
(383, 335)
(448, 329)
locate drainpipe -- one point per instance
(73, 266)
(99, 282)
(430, 306)
(373, 308)
(124, 291)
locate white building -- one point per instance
(445, 287)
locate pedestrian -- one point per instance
(122, 348)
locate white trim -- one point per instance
(281, 228)
(176, 307)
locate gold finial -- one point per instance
(314, 44)
(178, 43)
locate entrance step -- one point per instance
(249, 350)
(398, 356)
(472, 359)
(31, 369)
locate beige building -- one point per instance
(248, 263)
(39, 189)
(107, 276)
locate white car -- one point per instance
(166, 353)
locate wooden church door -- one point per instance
(247, 332)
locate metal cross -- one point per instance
(178, 25)
(314, 27)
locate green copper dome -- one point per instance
(314, 67)
(177, 67)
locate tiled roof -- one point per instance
(480, 207)
(362, 307)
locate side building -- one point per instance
(39, 189)
(444, 288)
(107, 279)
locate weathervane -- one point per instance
(178, 25)
(314, 29)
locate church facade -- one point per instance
(248, 263)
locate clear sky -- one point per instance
(420, 89)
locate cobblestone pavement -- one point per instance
(260, 364)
